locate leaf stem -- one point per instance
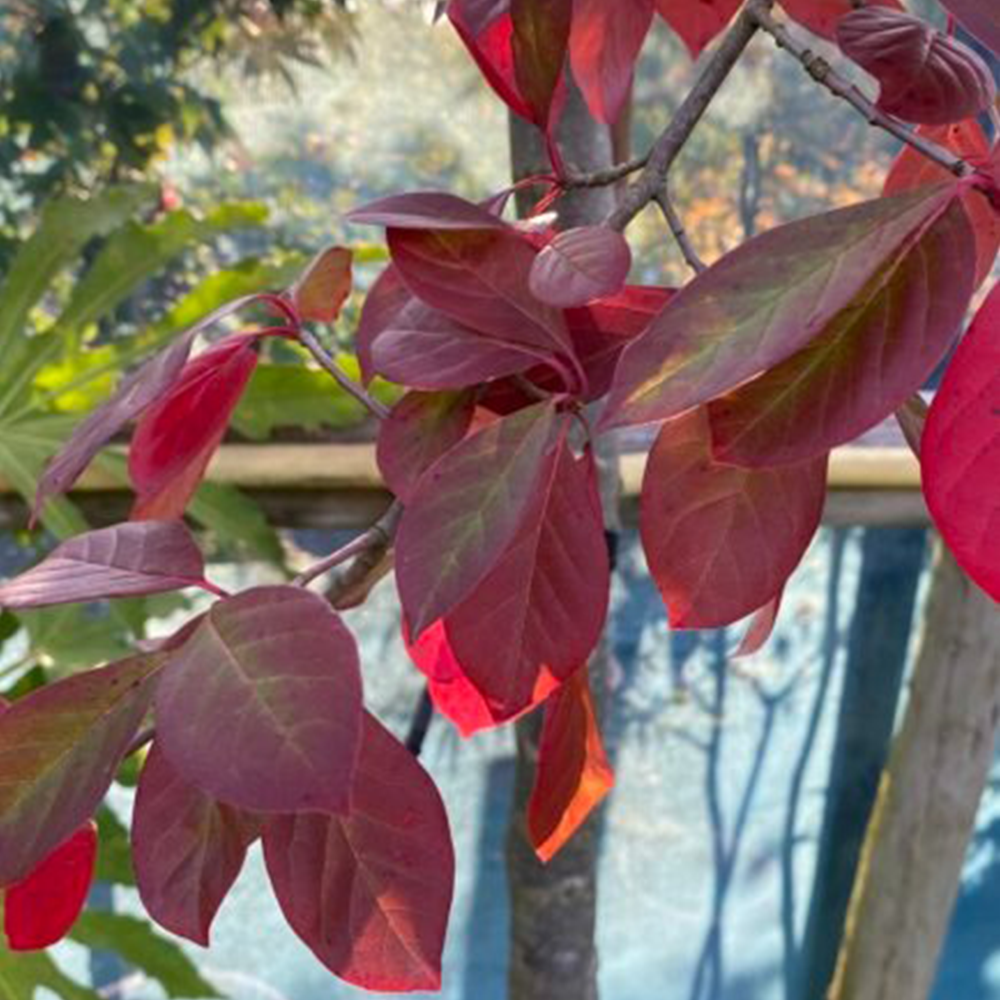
(325, 360)
(212, 588)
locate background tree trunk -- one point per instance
(553, 906)
(924, 816)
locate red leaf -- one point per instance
(121, 561)
(864, 365)
(697, 22)
(924, 75)
(721, 540)
(420, 429)
(467, 509)
(912, 169)
(821, 16)
(178, 435)
(960, 451)
(187, 849)
(59, 750)
(321, 291)
(573, 773)
(604, 46)
(425, 210)
(479, 278)
(40, 909)
(763, 302)
(544, 602)
(369, 893)
(760, 628)
(980, 17)
(539, 44)
(581, 265)
(261, 707)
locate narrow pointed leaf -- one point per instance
(763, 302)
(960, 451)
(319, 294)
(539, 44)
(187, 848)
(59, 750)
(122, 561)
(719, 540)
(697, 22)
(466, 509)
(581, 265)
(864, 366)
(573, 774)
(424, 210)
(261, 706)
(370, 892)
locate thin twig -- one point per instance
(352, 584)
(677, 133)
(822, 72)
(326, 362)
(609, 175)
(354, 548)
(662, 198)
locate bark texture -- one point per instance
(928, 797)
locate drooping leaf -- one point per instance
(911, 169)
(319, 294)
(924, 76)
(120, 561)
(466, 509)
(177, 436)
(573, 774)
(544, 603)
(420, 429)
(370, 892)
(424, 210)
(580, 265)
(960, 451)
(821, 16)
(981, 17)
(539, 44)
(39, 910)
(279, 666)
(59, 750)
(604, 47)
(188, 849)
(721, 540)
(139, 946)
(759, 628)
(763, 302)
(697, 22)
(864, 365)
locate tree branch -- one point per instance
(822, 72)
(372, 561)
(662, 198)
(326, 362)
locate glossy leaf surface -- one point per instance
(539, 44)
(425, 210)
(580, 265)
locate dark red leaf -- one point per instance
(122, 561)
(425, 210)
(178, 435)
(821, 16)
(580, 265)
(697, 22)
(573, 774)
(261, 706)
(420, 429)
(387, 296)
(539, 44)
(763, 302)
(39, 910)
(604, 46)
(544, 602)
(370, 892)
(187, 849)
(924, 75)
(60, 748)
(866, 363)
(960, 451)
(321, 291)
(721, 540)
(980, 17)
(467, 509)
(911, 169)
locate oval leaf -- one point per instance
(718, 539)
(960, 451)
(261, 707)
(697, 22)
(324, 286)
(187, 849)
(581, 265)
(370, 892)
(121, 561)
(426, 210)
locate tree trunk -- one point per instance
(553, 906)
(925, 813)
